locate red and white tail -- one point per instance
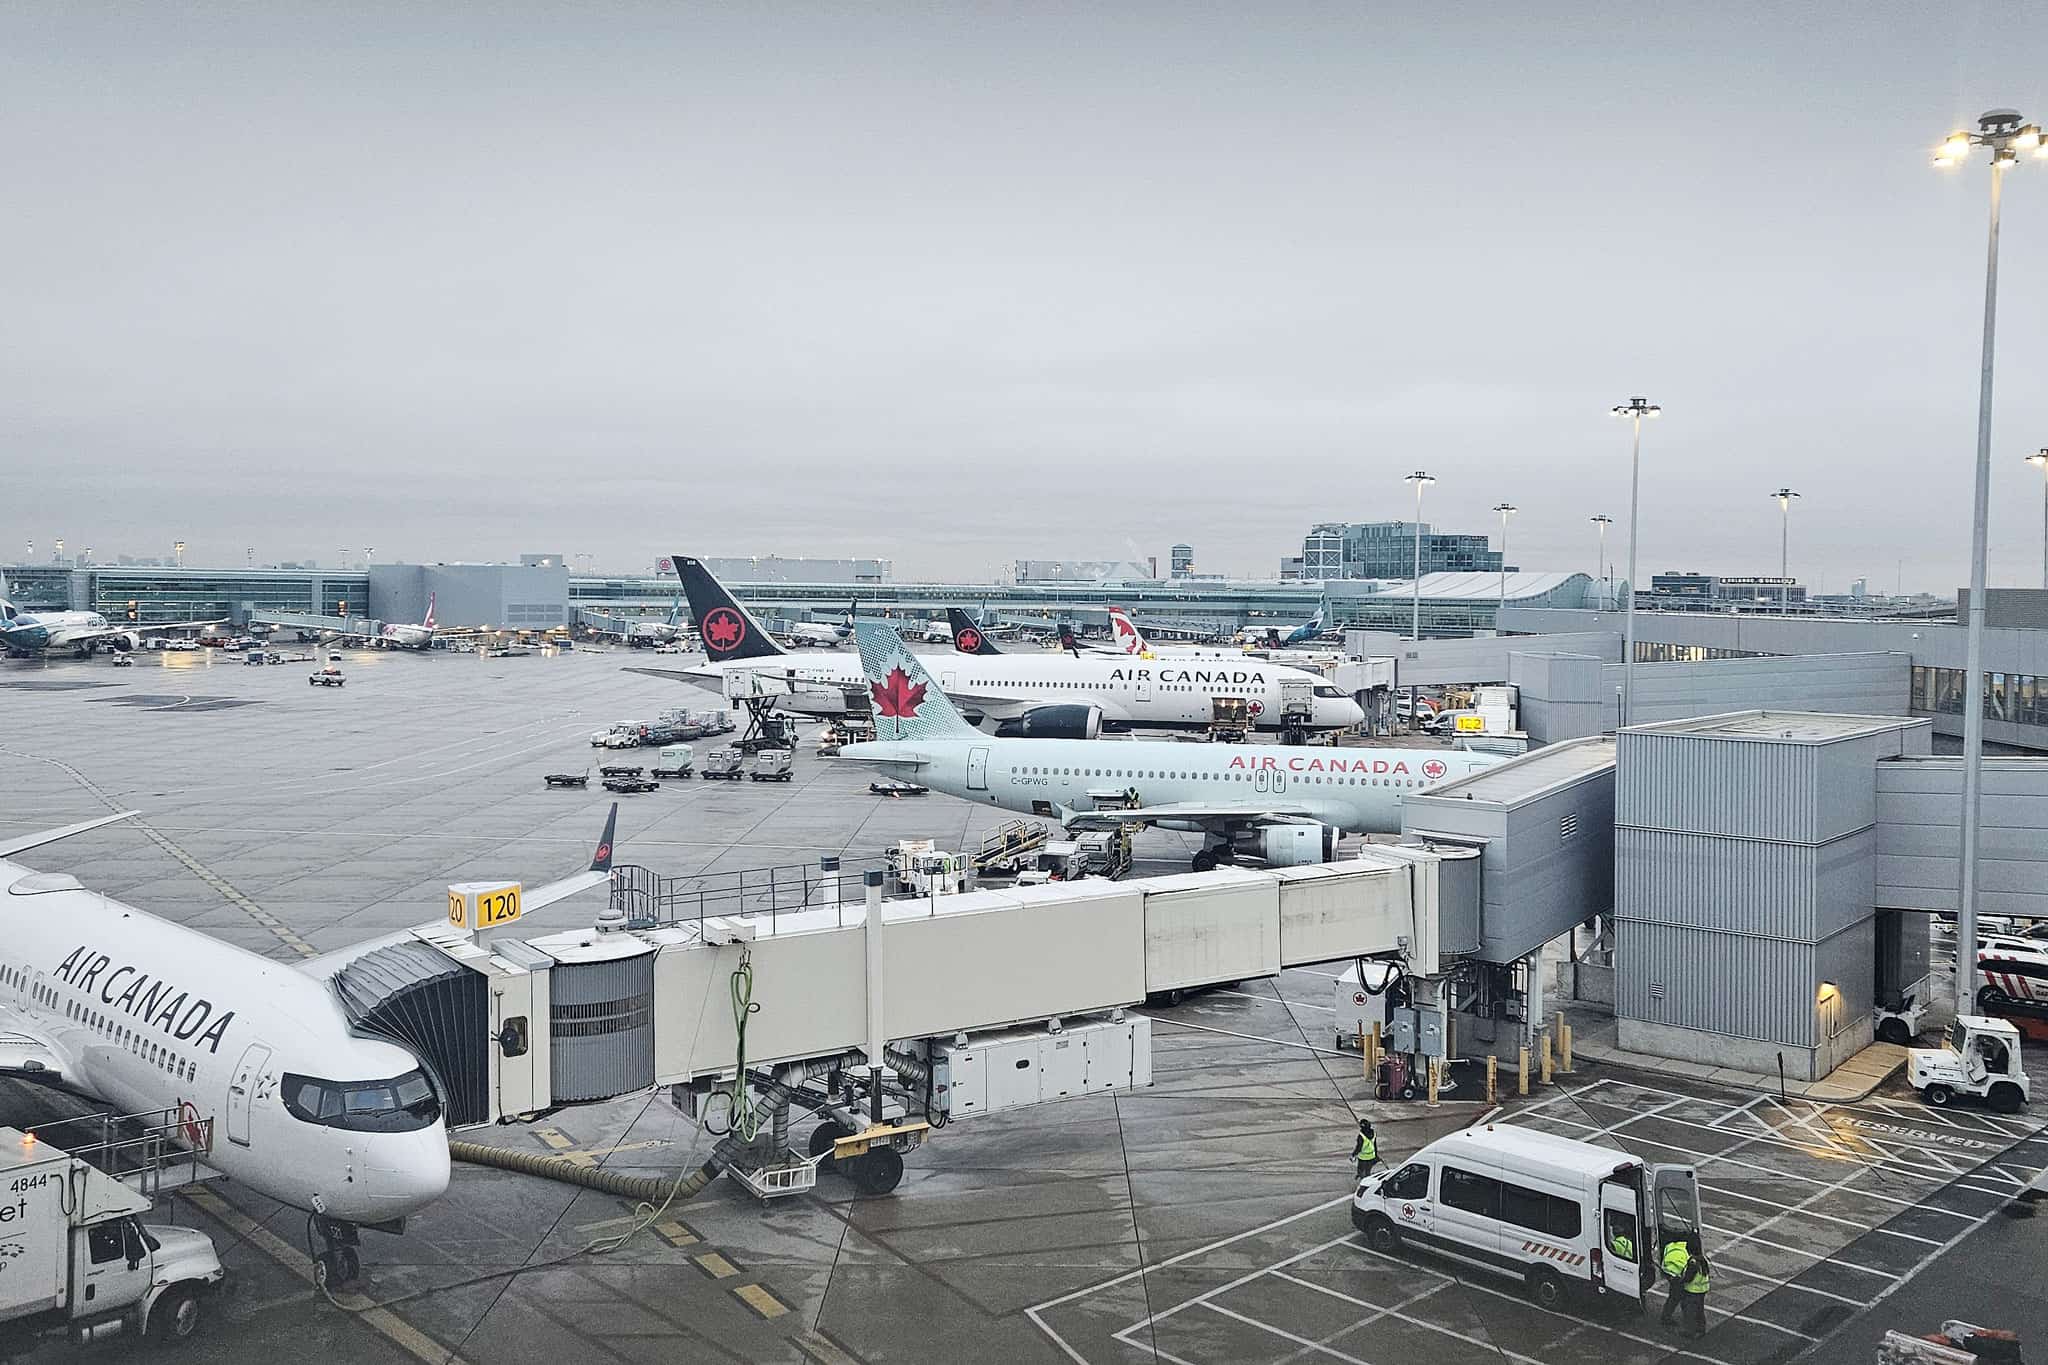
(1127, 637)
(429, 622)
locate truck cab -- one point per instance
(1980, 1056)
(81, 1261)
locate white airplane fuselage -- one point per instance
(1355, 790)
(407, 637)
(1145, 693)
(33, 632)
(147, 1015)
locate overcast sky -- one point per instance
(957, 284)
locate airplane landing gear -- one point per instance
(1212, 856)
(337, 1263)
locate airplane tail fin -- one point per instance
(908, 704)
(967, 636)
(729, 629)
(429, 622)
(601, 861)
(1128, 637)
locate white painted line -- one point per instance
(1861, 1226)
(1035, 1310)
(1284, 1335)
(1776, 1283)
(1489, 1347)
(1275, 1000)
(1475, 1284)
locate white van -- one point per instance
(1551, 1211)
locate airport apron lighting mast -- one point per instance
(1784, 497)
(1603, 521)
(1635, 409)
(1421, 478)
(2005, 135)
(1506, 510)
(2040, 457)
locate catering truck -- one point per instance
(76, 1258)
(1553, 1212)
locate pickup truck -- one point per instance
(80, 1261)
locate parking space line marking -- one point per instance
(1201, 1299)
(1725, 1192)
(1777, 1283)
(1304, 1342)
(1160, 1352)
(1519, 1299)
(1731, 1237)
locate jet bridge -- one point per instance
(596, 1013)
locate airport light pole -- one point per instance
(1421, 479)
(1603, 521)
(2040, 457)
(2002, 133)
(1506, 510)
(1635, 409)
(1784, 497)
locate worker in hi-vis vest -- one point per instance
(1686, 1277)
(1367, 1153)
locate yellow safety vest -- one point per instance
(1622, 1247)
(1368, 1150)
(1676, 1259)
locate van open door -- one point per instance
(1621, 1251)
(1673, 1205)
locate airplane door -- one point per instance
(1261, 779)
(242, 1090)
(977, 770)
(1279, 781)
(1143, 682)
(947, 683)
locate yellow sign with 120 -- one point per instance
(482, 905)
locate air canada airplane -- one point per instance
(1038, 693)
(1226, 792)
(136, 1012)
(1132, 641)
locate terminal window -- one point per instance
(2016, 698)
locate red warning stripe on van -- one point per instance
(1558, 1254)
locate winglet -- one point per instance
(22, 843)
(601, 861)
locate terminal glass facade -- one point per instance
(160, 595)
(2018, 698)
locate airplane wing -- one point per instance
(22, 843)
(1206, 813)
(28, 1052)
(79, 637)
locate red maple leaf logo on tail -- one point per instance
(896, 696)
(723, 628)
(970, 640)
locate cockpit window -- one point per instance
(1329, 692)
(395, 1106)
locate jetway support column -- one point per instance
(872, 925)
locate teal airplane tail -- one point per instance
(908, 704)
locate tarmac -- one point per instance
(1198, 1221)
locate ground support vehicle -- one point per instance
(329, 676)
(581, 779)
(891, 787)
(771, 765)
(1980, 1056)
(628, 786)
(723, 765)
(675, 760)
(1556, 1213)
(76, 1258)
(621, 770)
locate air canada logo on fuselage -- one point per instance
(1205, 677)
(150, 1001)
(1301, 763)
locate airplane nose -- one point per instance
(409, 1171)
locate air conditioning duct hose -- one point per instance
(651, 1189)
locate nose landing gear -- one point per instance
(337, 1264)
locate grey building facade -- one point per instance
(2015, 654)
(1386, 549)
(503, 596)
(1744, 886)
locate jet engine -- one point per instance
(1054, 722)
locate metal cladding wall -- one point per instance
(1559, 695)
(1745, 884)
(1877, 684)
(1919, 835)
(1547, 852)
(602, 1027)
(1481, 659)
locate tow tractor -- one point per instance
(76, 1258)
(1980, 1057)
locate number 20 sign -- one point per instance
(482, 905)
